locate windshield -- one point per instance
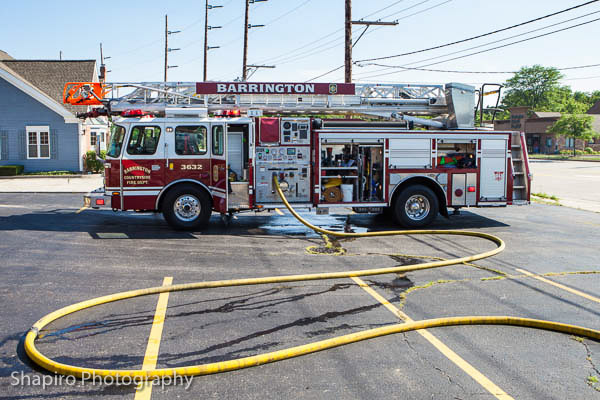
(117, 134)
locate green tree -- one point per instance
(537, 87)
(574, 126)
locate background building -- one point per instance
(535, 125)
(36, 129)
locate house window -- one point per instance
(38, 142)
(93, 138)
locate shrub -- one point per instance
(92, 162)
(11, 170)
(588, 150)
(566, 152)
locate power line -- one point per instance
(396, 20)
(382, 9)
(488, 72)
(283, 59)
(326, 73)
(387, 67)
(480, 36)
(494, 48)
(581, 78)
(285, 14)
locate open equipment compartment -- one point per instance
(351, 172)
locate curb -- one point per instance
(558, 159)
(38, 192)
(52, 176)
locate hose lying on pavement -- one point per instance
(245, 362)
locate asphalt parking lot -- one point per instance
(575, 183)
(52, 256)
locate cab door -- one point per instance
(143, 169)
(218, 166)
(187, 152)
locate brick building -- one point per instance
(536, 123)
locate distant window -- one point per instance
(93, 138)
(549, 142)
(38, 142)
(217, 140)
(143, 140)
(190, 140)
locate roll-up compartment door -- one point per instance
(493, 170)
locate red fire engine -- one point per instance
(188, 149)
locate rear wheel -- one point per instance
(187, 207)
(416, 207)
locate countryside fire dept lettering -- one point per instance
(137, 175)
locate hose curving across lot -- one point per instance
(245, 362)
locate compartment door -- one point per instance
(493, 170)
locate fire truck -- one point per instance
(188, 149)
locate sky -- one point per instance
(305, 38)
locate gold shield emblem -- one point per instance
(332, 88)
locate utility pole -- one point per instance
(167, 48)
(102, 77)
(247, 26)
(206, 29)
(256, 68)
(166, 45)
(348, 44)
(103, 71)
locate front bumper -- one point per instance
(97, 199)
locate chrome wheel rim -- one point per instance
(417, 207)
(187, 207)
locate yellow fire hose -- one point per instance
(245, 362)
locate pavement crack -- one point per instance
(431, 364)
(592, 380)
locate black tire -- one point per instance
(416, 206)
(187, 207)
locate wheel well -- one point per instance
(163, 194)
(421, 180)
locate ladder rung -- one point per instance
(519, 173)
(517, 159)
(516, 146)
(518, 187)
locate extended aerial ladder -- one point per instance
(452, 105)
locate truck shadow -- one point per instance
(105, 225)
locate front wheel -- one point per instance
(416, 207)
(187, 207)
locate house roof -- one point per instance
(595, 108)
(50, 76)
(5, 56)
(21, 83)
